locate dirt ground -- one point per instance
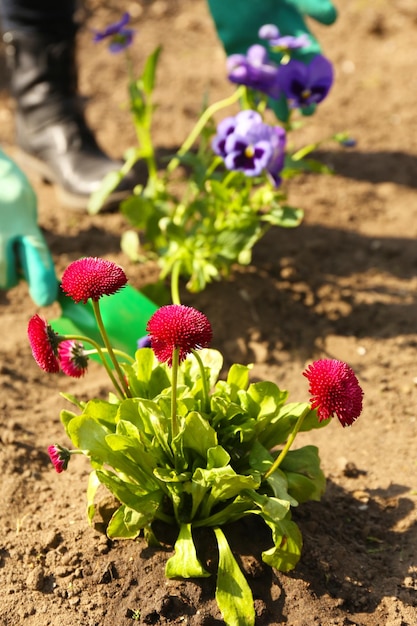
(342, 285)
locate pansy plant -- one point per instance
(200, 221)
(178, 444)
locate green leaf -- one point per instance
(108, 185)
(90, 436)
(198, 435)
(306, 480)
(71, 398)
(271, 507)
(278, 482)
(288, 541)
(151, 378)
(66, 417)
(190, 370)
(233, 595)
(280, 426)
(149, 72)
(133, 496)
(268, 400)
(261, 460)
(127, 442)
(224, 482)
(125, 523)
(217, 457)
(171, 476)
(184, 563)
(93, 485)
(102, 411)
(283, 216)
(238, 377)
(130, 245)
(138, 209)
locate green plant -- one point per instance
(220, 193)
(177, 443)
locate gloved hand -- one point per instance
(238, 21)
(23, 250)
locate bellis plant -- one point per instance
(178, 445)
(226, 185)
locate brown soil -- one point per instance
(342, 285)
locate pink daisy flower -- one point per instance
(73, 359)
(59, 456)
(93, 278)
(44, 343)
(178, 326)
(334, 390)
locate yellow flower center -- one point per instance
(249, 152)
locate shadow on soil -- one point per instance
(375, 167)
(348, 542)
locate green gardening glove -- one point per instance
(23, 250)
(238, 22)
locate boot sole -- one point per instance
(69, 200)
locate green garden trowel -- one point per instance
(125, 316)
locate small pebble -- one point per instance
(35, 579)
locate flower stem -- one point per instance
(204, 381)
(208, 113)
(288, 445)
(99, 319)
(174, 379)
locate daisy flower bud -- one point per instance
(334, 390)
(93, 278)
(44, 342)
(73, 359)
(178, 326)
(59, 456)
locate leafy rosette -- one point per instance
(211, 472)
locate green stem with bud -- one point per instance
(208, 113)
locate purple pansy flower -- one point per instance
(120, 37)
(305, 84)
(349, 142)
(224, 129)
(227, 126)
(144, 342)
(250, 146)
(282, 43)
(255, 70)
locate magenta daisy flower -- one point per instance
(93, 278)
(59, 456)
(44, 343)
(334, 390)
(178, 326)
(73, 359)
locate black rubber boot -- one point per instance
(51, 132)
